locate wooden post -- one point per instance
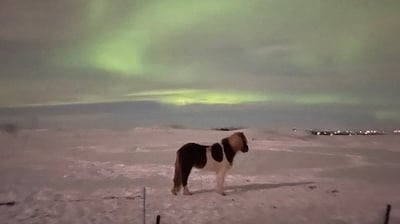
(387, 216)
(158, 219)
(144, 205)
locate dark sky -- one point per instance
(328, 59)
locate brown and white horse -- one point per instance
(217, 157)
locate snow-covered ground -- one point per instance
(97, 176)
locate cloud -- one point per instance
(44, 20)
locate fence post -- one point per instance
(158, 219)
(387, 216)
(144, 205)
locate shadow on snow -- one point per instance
(236, 189)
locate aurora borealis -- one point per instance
(310, 54)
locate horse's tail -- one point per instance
(177, 175)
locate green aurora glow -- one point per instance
(130, 44)
(123, 48)
(182, 97)
(180, 42)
